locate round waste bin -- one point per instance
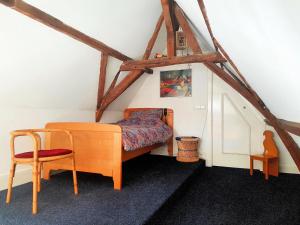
(187, 149)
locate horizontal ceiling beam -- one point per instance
(58, 25)
(161, 62)
(291, 127)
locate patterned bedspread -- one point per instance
(141, 132)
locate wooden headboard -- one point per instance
(168, 114)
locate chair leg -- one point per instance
(10, 182)
(251, 166)
(35, 187)
(39, 176)
(267, 170)
(46, 172)
(74, 176)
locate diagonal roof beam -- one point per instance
(203, 10)
(131, 77)
(58, 25)
(255, 100)
(191, 39)
(289, 126)
(102, 78)
(170, 28)
(154, 37)
(248, 94)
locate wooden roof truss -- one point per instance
(173, 16)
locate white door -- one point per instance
(237, 127)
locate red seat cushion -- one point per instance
(45, 153)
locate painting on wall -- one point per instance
(176, 83)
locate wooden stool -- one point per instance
(269, 157)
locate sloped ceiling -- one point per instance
(42, 68)
(262, 38)
(123, 25)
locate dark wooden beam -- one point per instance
(102, 78)
(255, 100)
(118, 90)
(153, 37)
(222, 50)
(58, 25)
(8, 3)
(132, 76)
(243, 90)
(291, 127)
(170, 29)
(172, 14)
(192, 41)
(204, 14)
(161, 62)
(99, 111)
(287, 140)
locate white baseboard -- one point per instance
(21, 177)
(288, 169)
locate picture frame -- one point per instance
(176, 83)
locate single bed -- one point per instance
(101, 148)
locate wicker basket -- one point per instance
(187, 149)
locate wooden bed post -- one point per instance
(117, 161)
(170, 123)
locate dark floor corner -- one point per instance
(230, 196)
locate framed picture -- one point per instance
(181, 42)
(176, 83)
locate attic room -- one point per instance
(149, 112)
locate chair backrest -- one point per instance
(270, 147)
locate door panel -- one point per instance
(237, 127)
(236, 132)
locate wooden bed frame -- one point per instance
(98, 147)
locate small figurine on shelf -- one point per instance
(159, 55)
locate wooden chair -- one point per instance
(269, 157)
(37, 158)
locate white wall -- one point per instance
(47, 76)
(262, 38)
(188, 120)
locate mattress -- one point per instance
(142, 132)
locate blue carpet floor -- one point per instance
(221, 196)
(149, 181)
